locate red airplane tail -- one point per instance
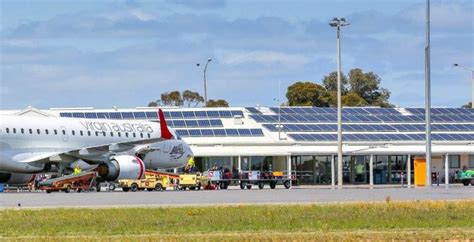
(165, 132)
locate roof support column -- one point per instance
(446, 170)
(409, 171)
(371, 171)
(333, 173)
(288, 160)
(239, 164)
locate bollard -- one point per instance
(402, 176)
(437, 178)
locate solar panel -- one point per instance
(91, 115)
(78, 115)
(182, 132)
(115, 115)
(194, 132)
(179, 123)
(188, 114)
(139, 115)
(244, 132)
(191, 123)
(65, 115)
(204, 123)
(207, 132)
(232, 132)
(253, 110)
(213, 114)
(237, 113)
(176, 115)
(200, 114)
(256, 132)
(225, 114)
(219, 132)
(103, 115)
(151, 115)
(216, 123)
(127, 115)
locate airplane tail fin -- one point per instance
(165, 132)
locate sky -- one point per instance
(125, 53)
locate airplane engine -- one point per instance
(122, 167)
(16, 179)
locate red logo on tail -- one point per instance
(165, 132)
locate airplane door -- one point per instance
(64, 133)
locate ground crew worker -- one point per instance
(77, 170)
(190, 165)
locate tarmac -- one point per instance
(295, 195)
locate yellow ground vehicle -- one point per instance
(192, 181)
(151, 182)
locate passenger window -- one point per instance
(88, 133)
(111, 134)
(55, 132)
(96, 133)
(119, 134)
(126, 134)
(134, 135)
(14, 130)
(8, 130)
(103, 133)
(81, 133)
(141, 135)
(64, 132)
(31, 131)
(22, 131)
(38, 131)
(73, 132)
(149, 136)
(46, 131)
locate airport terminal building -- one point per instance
(302, 141)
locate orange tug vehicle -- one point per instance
(153, 181)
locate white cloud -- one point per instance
(263, 57)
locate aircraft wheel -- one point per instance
(158, 187)
(134, 187)
(249, 186)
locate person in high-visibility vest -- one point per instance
(190, 165)
(77, 170)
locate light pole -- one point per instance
(338, 23)
(472, 81)
(279, 126)
(428, 97)
(205, 80)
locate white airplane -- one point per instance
(120, 149)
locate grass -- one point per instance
(389, 220)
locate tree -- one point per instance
(364, 85)
(307, 94)
(468, 105)
(330, 82)
(153, 104)
(367, 86)
(192, 98)
(171, 98)
(352, 99)
(217, 103)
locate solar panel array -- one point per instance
(220, 132)
(186, 123)
(153, 115)
(381, 137)
(369, 127)
(311, 124)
